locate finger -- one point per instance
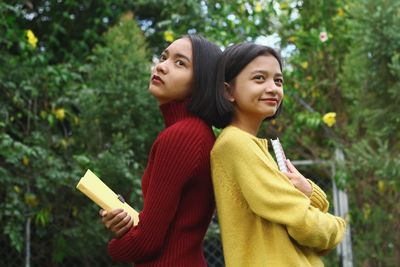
(124, 229)
(291, 167)
(295, 183)
(111, 219)
(112, 214)
(102, 212)
(122, 223)
(116, 211)
(290, 175)
(117, 219)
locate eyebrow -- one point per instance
(266, 72)
(177, 55)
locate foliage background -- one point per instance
(77, 99)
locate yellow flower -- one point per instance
(309, 78)
(304, 65)
(292, 39)
(283, 5)
(32, 40)
(314, 93)
(381, 186)
(340, 12)
(257, 7)
(31, 200)
(169, 36)
(329, 119)
(60, 114)
(25, 160)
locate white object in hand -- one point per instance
(279, 155)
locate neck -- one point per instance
(174, 111)
(247, 124)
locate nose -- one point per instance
(162, 67)
(271, 87)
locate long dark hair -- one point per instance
(233, 60)
(205, 58)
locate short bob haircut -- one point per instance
(233, 60)
(202, 98)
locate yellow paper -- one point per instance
(103, 196)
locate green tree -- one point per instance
(371, 84)
(59, 119)
(33, 167)
(119, 118)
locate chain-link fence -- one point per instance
(97, 256)
(42, 256)
(213, 246)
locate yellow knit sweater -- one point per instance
(264, 219)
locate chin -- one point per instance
(154, 91)
(157, 95)
(269, 113)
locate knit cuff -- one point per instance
(318, 197)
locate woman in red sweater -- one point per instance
(176, 185)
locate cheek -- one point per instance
(188, 83)
(182, 85)
(280, 93)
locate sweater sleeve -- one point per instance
(270, 195)
(174, 161)
(318, 198)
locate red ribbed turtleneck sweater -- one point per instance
(178, 196)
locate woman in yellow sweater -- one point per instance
(267, 217)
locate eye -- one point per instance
(278, 81)
(259, 78)
(163, 57)
(180, 62)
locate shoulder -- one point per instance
(233, 140)
(191, 130)
(235, 146)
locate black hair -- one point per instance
(233, 60)
(205, 57)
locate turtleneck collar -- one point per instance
(174, 112)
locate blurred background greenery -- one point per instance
(73, 95)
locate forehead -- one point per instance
(181, 46)
(267, 63)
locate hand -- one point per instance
(298, 180)
(117, 221)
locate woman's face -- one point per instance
(257, 91)
(172, 77)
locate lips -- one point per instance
(157, 79)
(269, 100)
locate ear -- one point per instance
(228, 92)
